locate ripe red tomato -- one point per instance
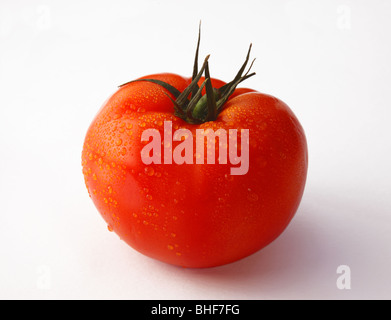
(192, 214)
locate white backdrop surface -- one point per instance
(328, 60)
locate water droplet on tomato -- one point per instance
(149, 197)
(149, 171)
(252, 196)
(118, 142)
(170, 247)
(262, 125)
(228, 177)
(110, 228)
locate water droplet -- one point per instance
(110, 228)
(252, 197)
(228, 177)
(173, 234)
(149, 171)
(262, 126)
(170, 247)
(149, 197)
(118, 142)
(110, 189)
(141, 109)
(94, 176)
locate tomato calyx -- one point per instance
(193, 107)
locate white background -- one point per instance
(328, 60)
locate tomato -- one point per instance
(192, 214)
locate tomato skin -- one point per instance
(194, 215)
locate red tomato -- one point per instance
(191, 214)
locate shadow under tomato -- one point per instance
(300, 257)
(330, 229)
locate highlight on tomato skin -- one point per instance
(195, 172)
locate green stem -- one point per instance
(201, 108)
(189, 104)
